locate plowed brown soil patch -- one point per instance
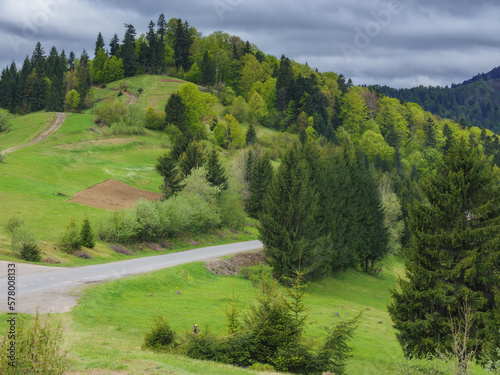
(170, 80)
(112, 195)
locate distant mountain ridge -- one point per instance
(475, 102)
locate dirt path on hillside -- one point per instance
(133, 99)
(60, 118)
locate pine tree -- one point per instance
(87, 237)
(454, 257)
(182, 44)
(261, 178)
(167, 168)
(175, 112)
(251, 136)
(288, 229)
(216, 175)
(38, 60)
(71, 60)
(83, 78)
(152, 59)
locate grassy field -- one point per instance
(105, 331)
(37, 182)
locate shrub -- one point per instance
(149, 225)
(258, 274)
(140, 90)
(4, 115)
(38, 347)
(69, 242)
(161, 337)
(24, 244)
(30, 252)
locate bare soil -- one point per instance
(112, 195)
(233, 265)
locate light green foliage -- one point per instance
(24, 243)
(258, 106)
(110, 113)
(229, 133)
(393, 214)
(39, 347)
(73, 99)
(392, 117)
(69, 241)
(199, 107)
(354, 113)
(4, 115)
(267, 91)
(196, 184)
(155, 120)
(240, 109)
(373, 144)
(194, 74)
(251, 72)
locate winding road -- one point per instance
(60, 118)
(56, 289)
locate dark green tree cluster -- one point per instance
(177, 164)
(272, 333)
(258, 177)
(323, 212)
(454, 257)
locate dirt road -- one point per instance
(60, 118)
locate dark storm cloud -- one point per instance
(399, 43)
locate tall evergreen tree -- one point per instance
(194, 157)
(251, 136)
(182, 44)
(99, 43)
(167, 168)
(71, 60)
(261, 178)
(454, 258)
(175, 112)
(114, 46)
(83, 79)
(127, 51)
(38, 60)
(216, 175)
(207, 67)
(152, 59)
(288, 228)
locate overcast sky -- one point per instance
(398, 43)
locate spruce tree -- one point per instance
(175, 112)
(251, 136)
(207, 68)
(262, 176)
(216, 175)
(87, 237)
(167, 168)
(288, 228)
(192, 158)
(99, 43)
(127, 52)
(454, 258)
(114, 46)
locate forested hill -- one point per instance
(475, 102)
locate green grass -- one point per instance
(106, 329)
(24, 129)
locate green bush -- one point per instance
(30, 252)
(258, 274)
(69, 242)
(38, 347)
(161, 337)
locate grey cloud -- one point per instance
(424, 42)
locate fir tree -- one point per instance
(182, 44)
(127, 52)
(216, 175)
(288, 229)
(454, 257)
(251, 136)
(71, 60)
(38, 60)
(167, 168)
(87, 237)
